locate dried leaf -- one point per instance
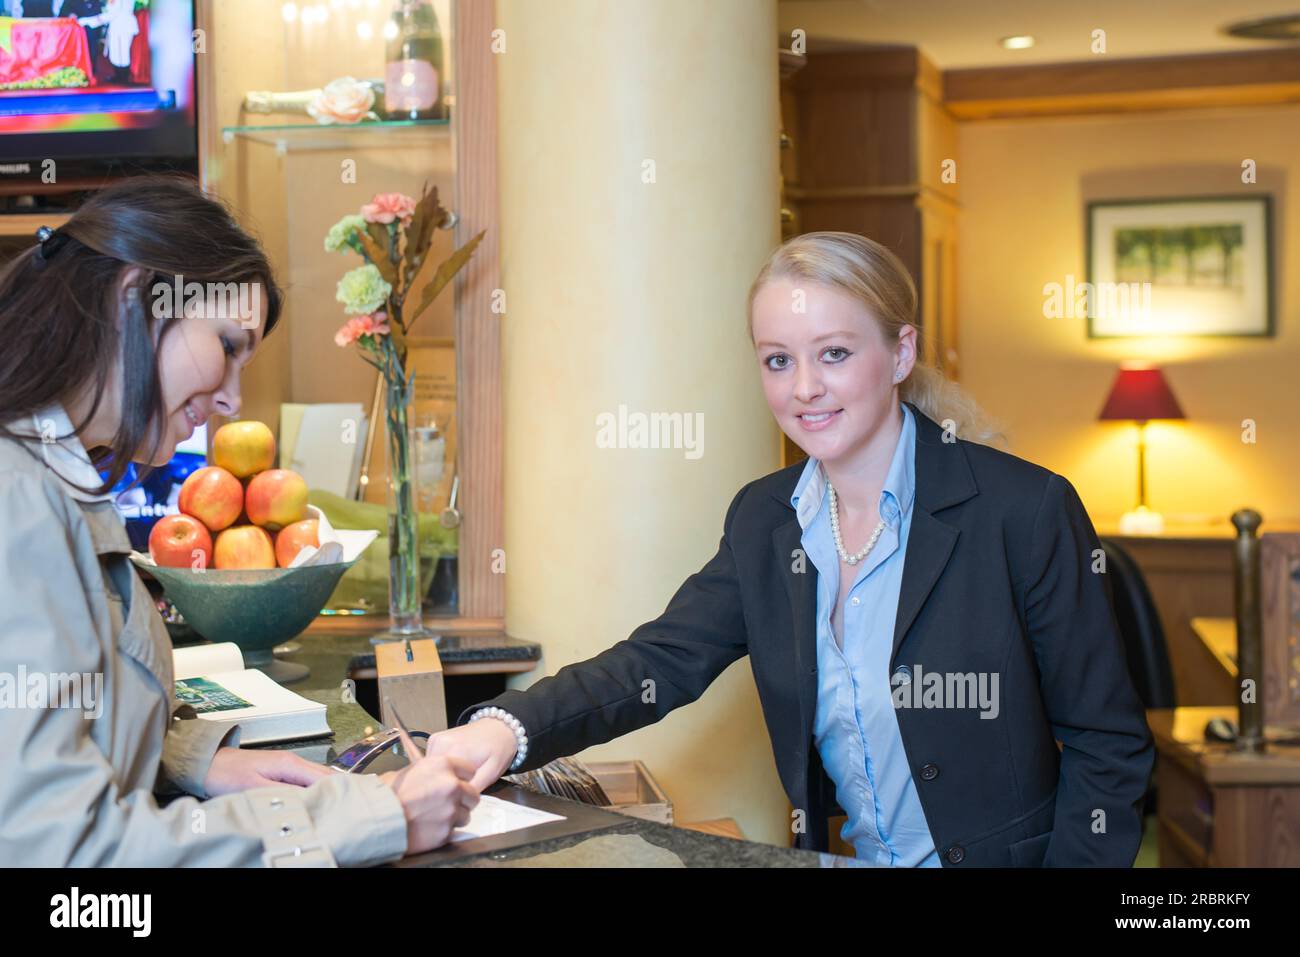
(424, 209)
(434, 216)
(377, 252)
(379, 233)
(419, 235)
(446, 273)
(434, 213)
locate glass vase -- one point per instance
(405, 598)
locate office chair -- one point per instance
(1144, 638)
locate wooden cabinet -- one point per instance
(874, 151)
(1220, 808)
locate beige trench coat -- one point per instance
(78, 787)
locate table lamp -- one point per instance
(1140, 393)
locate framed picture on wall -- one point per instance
(1198, 266)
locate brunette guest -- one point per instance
(91, 374)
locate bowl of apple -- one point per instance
(246, 559)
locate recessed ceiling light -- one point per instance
(1020, 42)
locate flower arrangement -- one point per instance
(392, 234)
(345, 100)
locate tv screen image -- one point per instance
(142, 503)
(95, 81)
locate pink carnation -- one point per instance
(375, 324)
(386, 207)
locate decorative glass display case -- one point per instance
(292, 178)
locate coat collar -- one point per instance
(49, 435)
(943, 479)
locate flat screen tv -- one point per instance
(93, 88)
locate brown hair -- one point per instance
(875, 277)
(61, 303)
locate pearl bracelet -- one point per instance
(521, 750)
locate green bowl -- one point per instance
(256, 609)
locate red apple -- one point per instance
(276, 498)
(244, 546)
(180, 541)
(243, 512)
(294, 538)
(213, 496)
(243, 448)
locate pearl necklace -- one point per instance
(839, 542)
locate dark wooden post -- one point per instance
(1250, 630)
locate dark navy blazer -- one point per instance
(1001, 575)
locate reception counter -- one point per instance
(607, 839)
(613, 840)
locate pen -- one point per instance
(408, 742)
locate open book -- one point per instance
(212, 679)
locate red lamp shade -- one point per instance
(1141, 394)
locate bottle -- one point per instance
(413, 63)
(295, 101)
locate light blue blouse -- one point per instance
(856, 728)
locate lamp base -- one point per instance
(1141, 521)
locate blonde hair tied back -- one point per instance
(871, 274)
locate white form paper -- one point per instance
(494, 816)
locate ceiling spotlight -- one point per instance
(1021, 41)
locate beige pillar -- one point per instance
(639, 187)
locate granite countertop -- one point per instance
(638, 843)
(589, 836)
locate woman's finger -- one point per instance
(469, 796)
(462, 768)
(439, 743)
(483, 778)
(292, 769)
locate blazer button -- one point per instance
(902, 676)
(929, 772)
(956, 854)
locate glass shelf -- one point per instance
(314, 136)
